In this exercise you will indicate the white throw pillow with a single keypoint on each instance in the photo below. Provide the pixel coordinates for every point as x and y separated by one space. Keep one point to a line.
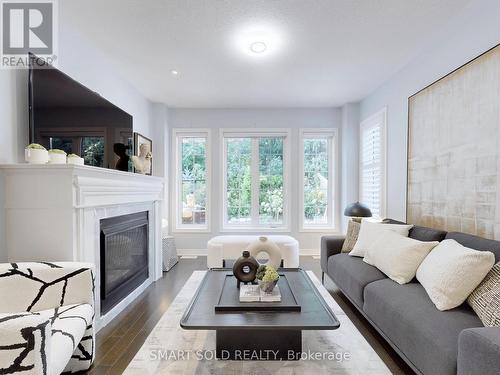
398 256
369 232
452 271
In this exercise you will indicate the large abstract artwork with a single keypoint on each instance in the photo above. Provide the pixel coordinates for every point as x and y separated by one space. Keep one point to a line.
454 150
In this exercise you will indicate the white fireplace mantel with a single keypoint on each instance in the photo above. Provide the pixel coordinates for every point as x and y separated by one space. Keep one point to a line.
53 213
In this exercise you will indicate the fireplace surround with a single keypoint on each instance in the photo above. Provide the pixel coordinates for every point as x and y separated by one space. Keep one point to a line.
61 208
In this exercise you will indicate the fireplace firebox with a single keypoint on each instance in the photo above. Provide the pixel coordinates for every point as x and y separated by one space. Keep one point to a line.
124 257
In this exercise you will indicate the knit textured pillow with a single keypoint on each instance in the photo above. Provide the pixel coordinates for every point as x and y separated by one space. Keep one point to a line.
485 299
351 236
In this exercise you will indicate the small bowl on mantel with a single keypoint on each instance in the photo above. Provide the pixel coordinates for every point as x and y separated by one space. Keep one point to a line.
57 157
75 160
36 155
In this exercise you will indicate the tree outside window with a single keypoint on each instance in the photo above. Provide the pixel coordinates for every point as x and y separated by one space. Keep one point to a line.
193 170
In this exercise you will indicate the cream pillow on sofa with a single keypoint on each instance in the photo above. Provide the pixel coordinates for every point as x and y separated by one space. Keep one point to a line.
398 256
452 271
369 232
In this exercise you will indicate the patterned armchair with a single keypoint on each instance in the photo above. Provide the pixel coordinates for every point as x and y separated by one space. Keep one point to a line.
46 318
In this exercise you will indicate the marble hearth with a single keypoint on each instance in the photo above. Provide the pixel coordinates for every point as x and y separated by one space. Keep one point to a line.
53 213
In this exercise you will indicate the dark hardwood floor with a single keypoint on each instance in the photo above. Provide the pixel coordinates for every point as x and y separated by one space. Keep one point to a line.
118 342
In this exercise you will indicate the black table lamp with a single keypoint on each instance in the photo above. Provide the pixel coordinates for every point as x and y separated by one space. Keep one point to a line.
357 210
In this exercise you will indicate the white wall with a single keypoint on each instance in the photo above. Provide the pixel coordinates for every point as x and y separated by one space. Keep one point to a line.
474 31
81 61
161 159
251 118
350 158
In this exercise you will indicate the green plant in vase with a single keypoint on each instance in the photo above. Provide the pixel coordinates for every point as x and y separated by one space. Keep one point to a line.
261 272
57 151
35 146
35 153
269 279
57 156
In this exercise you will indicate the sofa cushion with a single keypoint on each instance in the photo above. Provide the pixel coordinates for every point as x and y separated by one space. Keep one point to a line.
477 243
451 272
427 234
68 326
421 233
351 236
369 232
398 256
485 299
428 337
351 275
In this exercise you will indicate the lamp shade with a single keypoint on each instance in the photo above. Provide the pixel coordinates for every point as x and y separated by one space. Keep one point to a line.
357 210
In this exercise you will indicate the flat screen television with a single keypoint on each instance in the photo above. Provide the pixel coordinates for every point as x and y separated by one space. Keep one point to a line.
64 114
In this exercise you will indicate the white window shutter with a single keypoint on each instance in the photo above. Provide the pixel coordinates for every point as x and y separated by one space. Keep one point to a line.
372 163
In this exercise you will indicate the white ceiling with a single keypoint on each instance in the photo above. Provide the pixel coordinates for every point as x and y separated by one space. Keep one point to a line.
331 51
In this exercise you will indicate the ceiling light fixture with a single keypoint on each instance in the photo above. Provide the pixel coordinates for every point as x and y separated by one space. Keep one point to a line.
258 41
174 72
258 47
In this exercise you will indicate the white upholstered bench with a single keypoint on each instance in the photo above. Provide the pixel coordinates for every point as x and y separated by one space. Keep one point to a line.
221 248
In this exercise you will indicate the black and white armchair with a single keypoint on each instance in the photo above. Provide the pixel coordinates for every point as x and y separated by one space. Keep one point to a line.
46 318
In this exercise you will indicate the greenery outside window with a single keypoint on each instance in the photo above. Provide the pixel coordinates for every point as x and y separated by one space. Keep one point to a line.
192 180
255 181
317 169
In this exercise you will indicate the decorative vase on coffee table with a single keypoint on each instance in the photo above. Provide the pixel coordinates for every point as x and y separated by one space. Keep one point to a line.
245 268
265 245
267 286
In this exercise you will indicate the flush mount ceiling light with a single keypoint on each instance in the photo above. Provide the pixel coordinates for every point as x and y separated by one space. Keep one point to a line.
258 41
174 72
258 47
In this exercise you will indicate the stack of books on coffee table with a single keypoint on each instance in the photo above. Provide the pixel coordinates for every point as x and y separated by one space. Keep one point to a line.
253 293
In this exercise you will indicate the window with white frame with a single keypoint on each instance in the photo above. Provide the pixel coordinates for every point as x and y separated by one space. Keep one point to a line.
317 168
255 180
192 179
372 163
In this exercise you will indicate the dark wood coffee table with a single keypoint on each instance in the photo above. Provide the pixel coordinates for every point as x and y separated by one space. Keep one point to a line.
259 335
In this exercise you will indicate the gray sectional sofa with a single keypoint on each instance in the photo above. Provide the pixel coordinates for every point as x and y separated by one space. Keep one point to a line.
429 340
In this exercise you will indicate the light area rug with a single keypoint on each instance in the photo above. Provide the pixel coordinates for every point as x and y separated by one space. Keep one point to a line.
169 349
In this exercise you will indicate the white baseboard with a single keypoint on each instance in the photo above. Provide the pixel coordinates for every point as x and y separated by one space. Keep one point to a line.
203 252
192 252
309 252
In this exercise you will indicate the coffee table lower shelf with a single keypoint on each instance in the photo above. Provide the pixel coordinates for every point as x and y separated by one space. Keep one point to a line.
258 344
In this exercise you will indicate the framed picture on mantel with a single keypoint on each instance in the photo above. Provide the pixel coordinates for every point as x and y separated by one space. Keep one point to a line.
143 154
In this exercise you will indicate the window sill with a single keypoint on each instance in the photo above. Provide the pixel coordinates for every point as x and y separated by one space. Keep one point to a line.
325 230
191 230
255 230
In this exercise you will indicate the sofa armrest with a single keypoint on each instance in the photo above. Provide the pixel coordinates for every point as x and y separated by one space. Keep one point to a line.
330 245
479 351
24 343
41 286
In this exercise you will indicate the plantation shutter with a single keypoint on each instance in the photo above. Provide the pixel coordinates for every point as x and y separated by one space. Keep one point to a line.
372 160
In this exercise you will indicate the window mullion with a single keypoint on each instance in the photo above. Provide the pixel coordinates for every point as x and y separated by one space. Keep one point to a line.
255 181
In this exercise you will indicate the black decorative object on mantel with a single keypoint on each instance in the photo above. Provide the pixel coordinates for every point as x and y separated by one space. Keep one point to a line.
245 268
357 210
